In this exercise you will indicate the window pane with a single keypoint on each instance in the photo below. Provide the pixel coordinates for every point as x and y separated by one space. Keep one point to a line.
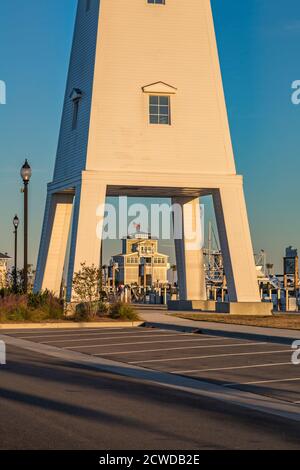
164 100
153 99
153 119
164 119
153 109
164 110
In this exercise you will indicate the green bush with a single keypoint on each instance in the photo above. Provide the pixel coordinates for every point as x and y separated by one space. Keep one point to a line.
103 308
31 307
123 311
84 313
40 299
90 311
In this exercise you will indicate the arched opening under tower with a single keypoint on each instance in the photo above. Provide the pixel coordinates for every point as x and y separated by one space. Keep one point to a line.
81 237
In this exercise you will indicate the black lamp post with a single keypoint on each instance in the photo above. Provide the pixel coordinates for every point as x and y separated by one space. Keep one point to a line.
26 175
16 225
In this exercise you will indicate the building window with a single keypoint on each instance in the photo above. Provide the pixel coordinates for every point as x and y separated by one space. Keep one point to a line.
159 108
75 114
158 2
75 96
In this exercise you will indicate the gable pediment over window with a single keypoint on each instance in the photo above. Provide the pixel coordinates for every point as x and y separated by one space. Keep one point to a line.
159 88
76 94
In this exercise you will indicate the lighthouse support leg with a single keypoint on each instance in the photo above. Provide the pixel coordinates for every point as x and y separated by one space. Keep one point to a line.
86 236
236 245
54 242
189 254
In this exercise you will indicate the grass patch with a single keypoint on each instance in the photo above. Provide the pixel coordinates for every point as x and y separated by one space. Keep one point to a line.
286 321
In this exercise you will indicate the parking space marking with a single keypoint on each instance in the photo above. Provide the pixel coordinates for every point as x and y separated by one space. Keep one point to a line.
295 379
112 337
231 368
169 341
213 355
87 333
142 342
48 331
157 350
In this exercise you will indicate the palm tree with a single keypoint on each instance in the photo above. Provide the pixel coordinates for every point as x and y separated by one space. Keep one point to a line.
103 274
174 269
269 267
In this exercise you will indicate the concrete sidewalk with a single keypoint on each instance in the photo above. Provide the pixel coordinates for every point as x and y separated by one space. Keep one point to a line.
165 319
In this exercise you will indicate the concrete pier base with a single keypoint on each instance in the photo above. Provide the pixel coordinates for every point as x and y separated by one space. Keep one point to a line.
245 308
233 308
192 305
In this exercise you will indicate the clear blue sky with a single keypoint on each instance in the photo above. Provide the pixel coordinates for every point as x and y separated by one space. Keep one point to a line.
259 45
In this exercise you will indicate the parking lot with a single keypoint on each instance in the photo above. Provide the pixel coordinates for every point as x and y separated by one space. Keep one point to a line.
260 367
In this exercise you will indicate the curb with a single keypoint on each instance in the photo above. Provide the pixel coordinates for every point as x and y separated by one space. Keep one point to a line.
168 326
69 325
224 334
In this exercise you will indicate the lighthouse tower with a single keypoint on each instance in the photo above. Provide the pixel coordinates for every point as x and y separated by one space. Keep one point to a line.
144 115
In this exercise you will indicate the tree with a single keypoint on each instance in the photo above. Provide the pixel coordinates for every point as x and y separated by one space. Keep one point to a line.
86 286
269 267
174 269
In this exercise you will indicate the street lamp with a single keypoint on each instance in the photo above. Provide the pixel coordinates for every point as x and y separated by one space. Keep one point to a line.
16 225
26 175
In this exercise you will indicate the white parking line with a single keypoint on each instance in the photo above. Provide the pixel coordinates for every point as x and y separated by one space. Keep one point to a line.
206 357
87 333
231 368
158 350
110 337
143 342
262 382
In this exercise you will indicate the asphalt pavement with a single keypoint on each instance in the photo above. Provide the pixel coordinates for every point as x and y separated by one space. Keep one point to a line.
259 367
48 403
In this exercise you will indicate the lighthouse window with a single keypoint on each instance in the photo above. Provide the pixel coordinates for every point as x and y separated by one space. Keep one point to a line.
159 2
159 110
75 114
75 96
